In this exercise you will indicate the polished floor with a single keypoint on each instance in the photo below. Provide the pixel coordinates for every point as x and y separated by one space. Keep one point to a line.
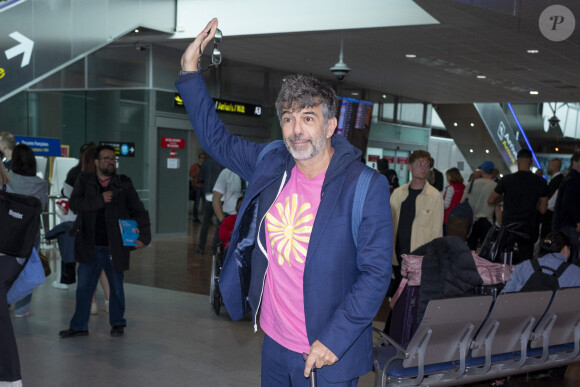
173 337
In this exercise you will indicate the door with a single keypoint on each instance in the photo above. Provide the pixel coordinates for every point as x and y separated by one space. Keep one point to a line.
172 181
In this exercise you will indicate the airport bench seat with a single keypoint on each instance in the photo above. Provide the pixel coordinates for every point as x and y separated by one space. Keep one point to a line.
470 339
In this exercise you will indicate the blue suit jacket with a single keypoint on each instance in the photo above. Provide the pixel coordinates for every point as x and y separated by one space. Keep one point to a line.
344 286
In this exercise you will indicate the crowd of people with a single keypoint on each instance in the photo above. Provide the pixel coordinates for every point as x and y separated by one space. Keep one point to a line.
314 300
99 198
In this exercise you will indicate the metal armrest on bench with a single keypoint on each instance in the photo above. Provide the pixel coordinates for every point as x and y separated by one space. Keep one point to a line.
506 343
439 346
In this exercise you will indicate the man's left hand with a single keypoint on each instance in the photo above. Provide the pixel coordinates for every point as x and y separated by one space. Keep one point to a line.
318 356
140 244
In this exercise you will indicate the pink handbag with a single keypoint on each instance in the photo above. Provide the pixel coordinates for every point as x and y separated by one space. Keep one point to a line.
411 272
411 268
491 273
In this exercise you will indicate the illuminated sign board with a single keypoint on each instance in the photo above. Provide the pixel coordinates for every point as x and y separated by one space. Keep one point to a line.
123 149
354 121
505 138
225 106
41 146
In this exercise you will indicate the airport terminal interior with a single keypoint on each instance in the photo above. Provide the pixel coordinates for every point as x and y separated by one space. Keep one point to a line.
469 81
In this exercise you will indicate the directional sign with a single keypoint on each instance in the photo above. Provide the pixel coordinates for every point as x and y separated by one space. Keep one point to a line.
17 46
41 146
24 47
123 149
39 38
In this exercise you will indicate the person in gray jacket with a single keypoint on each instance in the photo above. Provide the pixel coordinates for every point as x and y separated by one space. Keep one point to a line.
23 180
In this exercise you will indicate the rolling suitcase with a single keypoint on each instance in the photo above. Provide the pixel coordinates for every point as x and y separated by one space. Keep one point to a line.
404 316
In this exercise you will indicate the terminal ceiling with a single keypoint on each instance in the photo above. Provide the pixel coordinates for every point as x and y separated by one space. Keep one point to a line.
470 40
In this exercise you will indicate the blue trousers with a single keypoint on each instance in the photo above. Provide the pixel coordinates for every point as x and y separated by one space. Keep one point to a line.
87 278
282 367
23 306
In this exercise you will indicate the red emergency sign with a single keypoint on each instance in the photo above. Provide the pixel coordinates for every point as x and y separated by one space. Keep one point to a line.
173 142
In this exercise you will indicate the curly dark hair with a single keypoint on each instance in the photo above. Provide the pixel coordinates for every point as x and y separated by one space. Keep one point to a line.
421 154
301 91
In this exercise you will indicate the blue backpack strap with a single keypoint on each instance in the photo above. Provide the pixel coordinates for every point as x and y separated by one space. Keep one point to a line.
271 146
362 186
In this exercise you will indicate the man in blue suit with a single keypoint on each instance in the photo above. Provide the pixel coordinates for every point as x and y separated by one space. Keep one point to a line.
292 255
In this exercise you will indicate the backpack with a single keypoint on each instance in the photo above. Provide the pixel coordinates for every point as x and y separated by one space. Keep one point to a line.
544 281
460 219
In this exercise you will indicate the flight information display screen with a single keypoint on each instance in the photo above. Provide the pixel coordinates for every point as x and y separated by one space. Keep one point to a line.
354 121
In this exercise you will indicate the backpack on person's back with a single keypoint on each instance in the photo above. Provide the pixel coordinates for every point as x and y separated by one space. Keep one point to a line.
460 219
541 280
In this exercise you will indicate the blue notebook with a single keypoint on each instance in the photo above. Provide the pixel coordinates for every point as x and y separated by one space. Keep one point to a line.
129 232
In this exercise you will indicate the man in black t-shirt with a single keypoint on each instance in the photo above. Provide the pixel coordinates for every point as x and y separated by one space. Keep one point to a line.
522 194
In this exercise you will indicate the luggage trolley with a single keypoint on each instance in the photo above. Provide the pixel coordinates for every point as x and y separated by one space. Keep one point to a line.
215 296
500 244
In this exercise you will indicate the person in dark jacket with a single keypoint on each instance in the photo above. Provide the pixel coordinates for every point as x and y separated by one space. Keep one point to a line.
10 268
567 209
390 174
210 170
293 255
100 199
68 266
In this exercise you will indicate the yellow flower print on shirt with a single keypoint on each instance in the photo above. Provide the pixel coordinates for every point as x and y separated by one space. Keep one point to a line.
289 234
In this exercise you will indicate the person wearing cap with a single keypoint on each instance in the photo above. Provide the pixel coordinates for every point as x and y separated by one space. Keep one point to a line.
522 193
482 211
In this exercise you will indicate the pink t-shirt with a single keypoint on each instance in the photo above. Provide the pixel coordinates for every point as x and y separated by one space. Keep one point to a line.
288 227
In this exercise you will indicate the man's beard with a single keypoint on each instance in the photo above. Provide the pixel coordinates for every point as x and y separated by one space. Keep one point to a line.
312 148
108 171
